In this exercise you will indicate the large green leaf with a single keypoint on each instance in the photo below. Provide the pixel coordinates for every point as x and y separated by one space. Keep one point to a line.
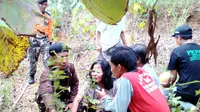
12 50
21 15
108 11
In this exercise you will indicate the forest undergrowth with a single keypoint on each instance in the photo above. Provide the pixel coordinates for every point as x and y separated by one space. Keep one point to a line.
82 42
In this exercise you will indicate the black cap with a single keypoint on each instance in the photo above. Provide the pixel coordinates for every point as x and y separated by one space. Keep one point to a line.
58 47
184 31
41 1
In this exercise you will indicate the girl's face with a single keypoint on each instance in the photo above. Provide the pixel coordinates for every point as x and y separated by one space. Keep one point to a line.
97 73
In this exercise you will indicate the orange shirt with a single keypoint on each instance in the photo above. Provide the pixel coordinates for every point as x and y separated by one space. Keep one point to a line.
46 28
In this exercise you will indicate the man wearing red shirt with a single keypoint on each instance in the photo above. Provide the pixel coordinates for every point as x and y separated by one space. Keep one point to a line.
137 90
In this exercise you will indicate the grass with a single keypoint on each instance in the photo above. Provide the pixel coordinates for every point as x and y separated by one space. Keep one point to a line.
5 94
178 10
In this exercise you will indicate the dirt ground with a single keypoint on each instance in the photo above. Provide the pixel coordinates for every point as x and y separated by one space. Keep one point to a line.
83 58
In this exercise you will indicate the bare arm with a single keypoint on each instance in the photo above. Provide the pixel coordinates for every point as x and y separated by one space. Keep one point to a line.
172 78
76 102
122 35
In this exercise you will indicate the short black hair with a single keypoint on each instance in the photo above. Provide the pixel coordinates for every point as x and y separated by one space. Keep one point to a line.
41 1
57 48
124 56
107 78
186 37
141 52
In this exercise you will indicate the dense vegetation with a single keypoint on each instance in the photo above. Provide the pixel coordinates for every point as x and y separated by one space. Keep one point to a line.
73 22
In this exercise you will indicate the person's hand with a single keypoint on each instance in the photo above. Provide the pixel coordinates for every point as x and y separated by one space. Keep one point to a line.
165 85
53 110
101 93
99 48
68 106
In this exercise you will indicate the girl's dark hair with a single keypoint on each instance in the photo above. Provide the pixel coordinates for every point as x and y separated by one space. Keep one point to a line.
107 78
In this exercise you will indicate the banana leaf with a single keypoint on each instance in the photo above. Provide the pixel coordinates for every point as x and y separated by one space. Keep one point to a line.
21 15
108 11
12 50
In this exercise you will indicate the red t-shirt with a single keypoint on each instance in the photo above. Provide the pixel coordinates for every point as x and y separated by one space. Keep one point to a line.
147 97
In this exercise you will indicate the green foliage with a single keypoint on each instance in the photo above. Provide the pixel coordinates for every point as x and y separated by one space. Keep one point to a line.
56 75
142 24
139 8
174 102
60 8
79 18
59 105
81 23
12 50
89 102
93 101
197 92
90 46
93 83
147 3
5 94
177 10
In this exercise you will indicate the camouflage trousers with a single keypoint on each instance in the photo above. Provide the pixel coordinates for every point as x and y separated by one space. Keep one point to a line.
37 46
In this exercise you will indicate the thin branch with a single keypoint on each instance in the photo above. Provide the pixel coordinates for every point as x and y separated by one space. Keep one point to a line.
4 20
18 99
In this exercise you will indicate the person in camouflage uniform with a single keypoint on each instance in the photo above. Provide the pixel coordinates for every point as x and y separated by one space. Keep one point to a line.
40 43
37 46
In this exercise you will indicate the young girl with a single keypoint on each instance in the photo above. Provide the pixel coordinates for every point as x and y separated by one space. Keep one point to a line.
101 77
